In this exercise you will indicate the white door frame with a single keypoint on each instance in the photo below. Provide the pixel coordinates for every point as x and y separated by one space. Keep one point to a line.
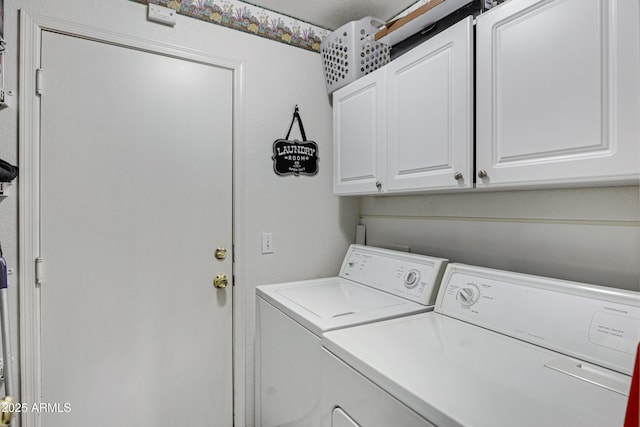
31 27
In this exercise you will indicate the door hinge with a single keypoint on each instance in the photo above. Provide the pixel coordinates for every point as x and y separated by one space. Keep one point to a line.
39 268
39 81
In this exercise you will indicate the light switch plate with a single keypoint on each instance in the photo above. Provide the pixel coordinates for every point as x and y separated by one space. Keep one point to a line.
267 243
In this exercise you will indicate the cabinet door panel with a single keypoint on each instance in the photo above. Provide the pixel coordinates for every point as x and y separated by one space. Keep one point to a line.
551 98
421 124
359 126
430 113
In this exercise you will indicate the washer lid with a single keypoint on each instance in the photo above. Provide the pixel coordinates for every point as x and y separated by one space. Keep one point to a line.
453 373
325 304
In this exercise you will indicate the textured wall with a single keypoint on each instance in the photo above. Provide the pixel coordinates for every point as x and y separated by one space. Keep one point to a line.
590 235
311 226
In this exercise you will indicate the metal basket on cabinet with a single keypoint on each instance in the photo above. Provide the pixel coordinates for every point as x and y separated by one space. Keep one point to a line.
351 52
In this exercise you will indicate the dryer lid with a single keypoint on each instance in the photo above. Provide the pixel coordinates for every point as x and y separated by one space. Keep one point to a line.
322 305
340 298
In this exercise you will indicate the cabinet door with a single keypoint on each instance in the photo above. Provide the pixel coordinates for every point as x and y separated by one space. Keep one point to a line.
430 111
358 135
558 93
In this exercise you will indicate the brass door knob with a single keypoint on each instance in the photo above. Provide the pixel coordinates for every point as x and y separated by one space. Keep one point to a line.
220 281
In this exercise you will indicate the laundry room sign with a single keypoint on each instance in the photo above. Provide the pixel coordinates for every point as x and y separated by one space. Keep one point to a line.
295 157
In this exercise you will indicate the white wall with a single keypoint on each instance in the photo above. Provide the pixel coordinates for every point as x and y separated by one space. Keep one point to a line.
311 227
590 235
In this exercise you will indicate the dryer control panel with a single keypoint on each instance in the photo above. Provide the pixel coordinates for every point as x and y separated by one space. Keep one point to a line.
411 276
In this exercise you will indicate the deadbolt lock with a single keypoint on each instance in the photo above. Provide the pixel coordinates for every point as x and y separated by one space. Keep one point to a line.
220 253
220 281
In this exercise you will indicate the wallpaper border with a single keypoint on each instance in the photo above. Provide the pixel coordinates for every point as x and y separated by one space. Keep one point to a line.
250 19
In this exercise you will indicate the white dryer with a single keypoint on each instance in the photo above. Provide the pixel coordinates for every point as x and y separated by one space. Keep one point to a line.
500 349
373 284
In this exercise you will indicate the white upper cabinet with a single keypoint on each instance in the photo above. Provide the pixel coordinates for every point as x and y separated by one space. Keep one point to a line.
430 114
408 126
558 93
359 130
557 103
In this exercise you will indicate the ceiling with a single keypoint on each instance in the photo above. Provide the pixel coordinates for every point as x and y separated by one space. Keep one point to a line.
332 14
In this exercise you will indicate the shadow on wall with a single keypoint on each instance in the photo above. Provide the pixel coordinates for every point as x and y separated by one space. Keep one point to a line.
601 254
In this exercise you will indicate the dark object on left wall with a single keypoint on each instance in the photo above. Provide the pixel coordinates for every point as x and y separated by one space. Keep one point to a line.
8 172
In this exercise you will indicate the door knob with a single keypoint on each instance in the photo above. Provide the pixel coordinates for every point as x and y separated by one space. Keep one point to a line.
482 173
220 281
458 176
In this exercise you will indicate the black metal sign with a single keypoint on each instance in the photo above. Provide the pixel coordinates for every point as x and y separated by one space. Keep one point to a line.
295 157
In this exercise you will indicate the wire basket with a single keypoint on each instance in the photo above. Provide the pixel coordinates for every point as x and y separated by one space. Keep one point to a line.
351 52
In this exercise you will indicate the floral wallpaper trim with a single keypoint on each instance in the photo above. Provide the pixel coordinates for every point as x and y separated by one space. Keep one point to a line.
250 19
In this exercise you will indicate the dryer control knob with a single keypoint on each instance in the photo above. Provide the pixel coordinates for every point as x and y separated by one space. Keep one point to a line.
468 295
411 279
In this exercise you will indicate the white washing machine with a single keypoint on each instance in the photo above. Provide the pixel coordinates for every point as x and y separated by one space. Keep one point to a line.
373 284
500 349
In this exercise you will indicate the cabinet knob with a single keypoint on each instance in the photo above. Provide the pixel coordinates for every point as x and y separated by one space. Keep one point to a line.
457 176
482 173
379 184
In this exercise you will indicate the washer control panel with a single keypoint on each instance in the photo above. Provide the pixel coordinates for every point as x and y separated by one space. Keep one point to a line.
411 276
592 323
468 295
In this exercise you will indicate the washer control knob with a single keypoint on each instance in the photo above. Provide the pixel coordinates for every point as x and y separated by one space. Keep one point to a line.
411 279
468 295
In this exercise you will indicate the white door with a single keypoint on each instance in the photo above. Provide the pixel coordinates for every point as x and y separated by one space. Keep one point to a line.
430 143
558 93
135 197
359 132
